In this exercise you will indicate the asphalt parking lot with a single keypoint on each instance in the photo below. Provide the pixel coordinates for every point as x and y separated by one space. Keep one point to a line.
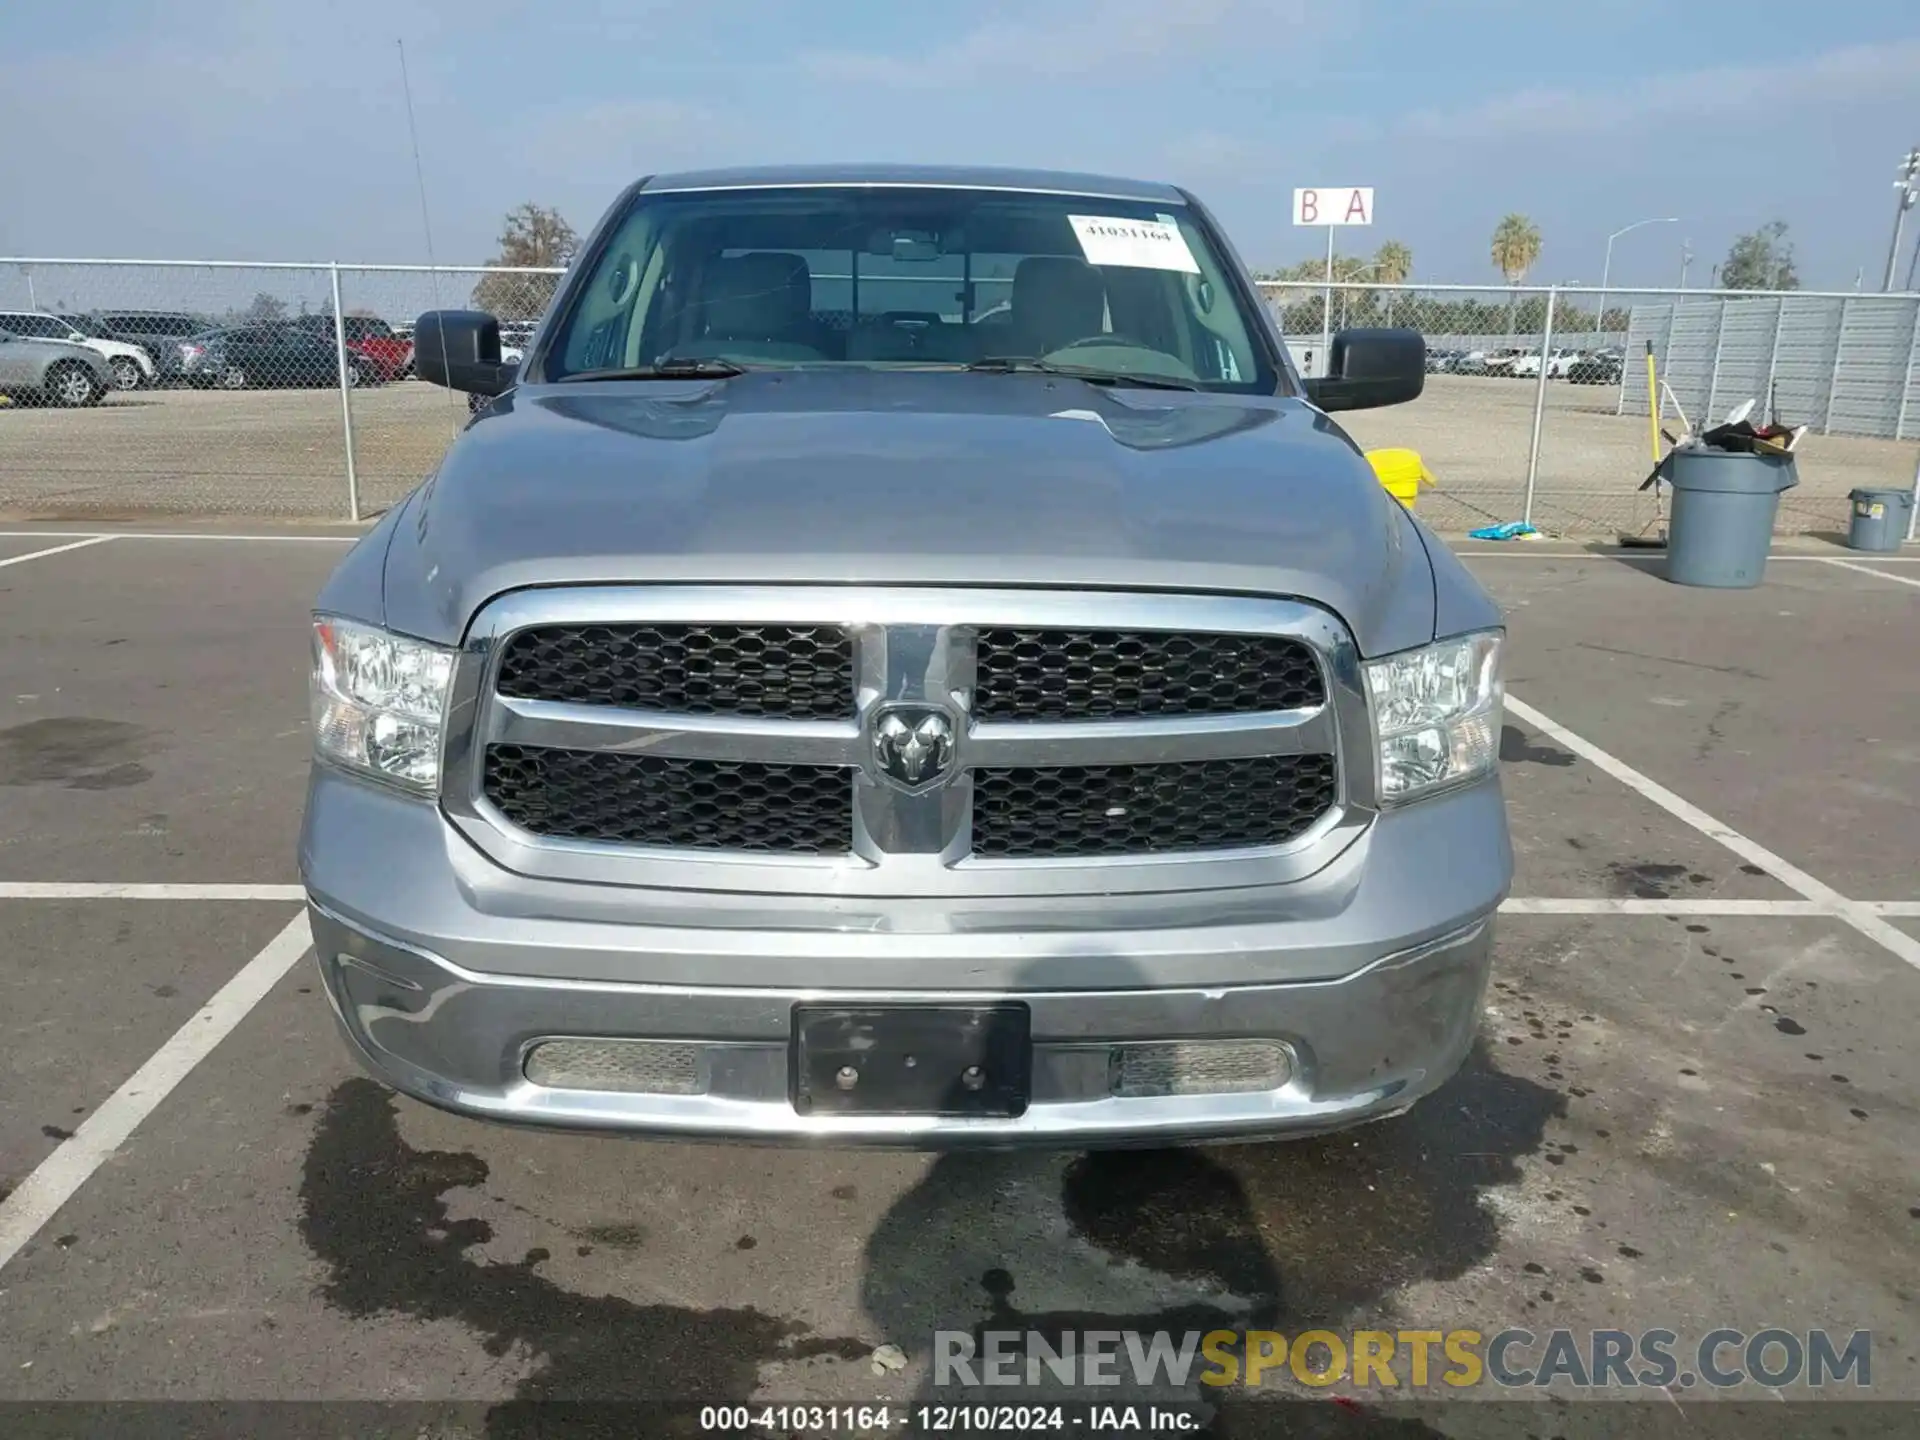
1694 1103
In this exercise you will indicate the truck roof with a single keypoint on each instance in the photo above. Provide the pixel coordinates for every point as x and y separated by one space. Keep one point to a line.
971 177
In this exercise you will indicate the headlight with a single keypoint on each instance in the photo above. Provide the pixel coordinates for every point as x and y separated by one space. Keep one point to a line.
379 702
1436 714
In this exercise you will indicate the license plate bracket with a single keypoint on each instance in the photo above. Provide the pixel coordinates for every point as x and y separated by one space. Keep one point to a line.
943 1060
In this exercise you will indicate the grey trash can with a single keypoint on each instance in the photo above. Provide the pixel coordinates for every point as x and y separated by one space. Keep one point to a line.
1879 519
1724 502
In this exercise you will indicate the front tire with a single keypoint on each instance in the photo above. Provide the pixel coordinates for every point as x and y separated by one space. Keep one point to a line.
74 386
127 374
234 377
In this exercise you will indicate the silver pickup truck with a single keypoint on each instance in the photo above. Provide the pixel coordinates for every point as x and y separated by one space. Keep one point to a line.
905 659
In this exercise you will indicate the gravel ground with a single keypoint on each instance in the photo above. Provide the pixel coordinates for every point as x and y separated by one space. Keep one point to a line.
282 453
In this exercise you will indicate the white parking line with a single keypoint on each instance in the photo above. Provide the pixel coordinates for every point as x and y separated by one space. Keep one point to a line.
39 1197
1877 574
1860 916
44 890
1652 555
56 550
99 535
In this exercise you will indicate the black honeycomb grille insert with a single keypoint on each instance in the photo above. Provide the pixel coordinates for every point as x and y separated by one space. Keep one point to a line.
655 800
786 671
1113 674
1074 810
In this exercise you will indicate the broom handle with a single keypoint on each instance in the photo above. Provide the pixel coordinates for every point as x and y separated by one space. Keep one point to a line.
1653 405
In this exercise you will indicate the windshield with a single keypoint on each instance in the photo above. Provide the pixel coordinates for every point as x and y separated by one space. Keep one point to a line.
911 278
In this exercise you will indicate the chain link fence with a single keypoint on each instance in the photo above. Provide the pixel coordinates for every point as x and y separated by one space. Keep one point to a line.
229 388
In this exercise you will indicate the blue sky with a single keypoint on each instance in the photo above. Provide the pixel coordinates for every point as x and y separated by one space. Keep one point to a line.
276 130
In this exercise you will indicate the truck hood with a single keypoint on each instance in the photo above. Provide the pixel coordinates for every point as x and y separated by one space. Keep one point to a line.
907 478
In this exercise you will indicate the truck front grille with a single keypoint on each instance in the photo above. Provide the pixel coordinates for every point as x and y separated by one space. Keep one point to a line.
1032 813
801 672
852 740
1109 674
657 801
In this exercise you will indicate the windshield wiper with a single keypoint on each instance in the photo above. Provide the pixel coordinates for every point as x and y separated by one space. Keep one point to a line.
707 369
1010 364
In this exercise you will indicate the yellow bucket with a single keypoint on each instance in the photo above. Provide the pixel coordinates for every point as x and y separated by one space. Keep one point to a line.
1402 472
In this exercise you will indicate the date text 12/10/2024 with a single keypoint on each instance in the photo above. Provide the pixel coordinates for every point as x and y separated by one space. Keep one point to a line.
1085 1419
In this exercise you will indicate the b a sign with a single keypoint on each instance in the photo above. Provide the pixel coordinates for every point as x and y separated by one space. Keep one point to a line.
1339 205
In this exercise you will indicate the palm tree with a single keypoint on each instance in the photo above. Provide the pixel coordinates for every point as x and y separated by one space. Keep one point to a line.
1516 246
1392 263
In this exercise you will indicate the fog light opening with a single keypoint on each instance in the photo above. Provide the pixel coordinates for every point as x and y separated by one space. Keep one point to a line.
634 1067
1199 1067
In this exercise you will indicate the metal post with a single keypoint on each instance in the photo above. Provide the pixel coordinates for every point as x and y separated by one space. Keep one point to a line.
1906 388
346 405
1833 375
1326 308
1539 405
1913 510
1600 318
1719 349
1909 169
1773 359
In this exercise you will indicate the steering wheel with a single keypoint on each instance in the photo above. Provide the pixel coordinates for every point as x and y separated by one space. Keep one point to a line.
1116 338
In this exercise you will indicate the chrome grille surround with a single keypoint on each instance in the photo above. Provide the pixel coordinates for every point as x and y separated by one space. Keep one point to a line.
913 646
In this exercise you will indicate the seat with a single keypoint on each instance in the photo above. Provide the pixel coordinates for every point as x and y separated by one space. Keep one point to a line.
765 296
1056 300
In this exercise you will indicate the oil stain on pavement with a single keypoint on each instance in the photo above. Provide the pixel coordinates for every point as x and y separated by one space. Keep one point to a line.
75 751
1260 1236
375 1212
1252 1236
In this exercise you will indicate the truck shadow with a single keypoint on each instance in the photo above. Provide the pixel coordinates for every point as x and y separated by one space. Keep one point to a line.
1284 1236
1266 1236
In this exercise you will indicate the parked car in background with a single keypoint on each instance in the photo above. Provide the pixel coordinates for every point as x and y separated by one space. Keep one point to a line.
515 336
1557 363
1603 367
130 365
51 372
158 332
388 355
1501 362
1441 362
1563 361
254 356
1472 362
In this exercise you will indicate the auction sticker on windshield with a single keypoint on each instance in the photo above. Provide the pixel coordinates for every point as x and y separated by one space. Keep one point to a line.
1143 244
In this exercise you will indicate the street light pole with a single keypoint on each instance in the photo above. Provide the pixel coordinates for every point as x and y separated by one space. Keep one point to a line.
1606 271
1909 188
1686 261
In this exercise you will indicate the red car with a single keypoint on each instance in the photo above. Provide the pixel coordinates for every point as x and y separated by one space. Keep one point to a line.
387 355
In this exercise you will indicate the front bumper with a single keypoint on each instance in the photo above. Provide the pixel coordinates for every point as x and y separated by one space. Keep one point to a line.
445 972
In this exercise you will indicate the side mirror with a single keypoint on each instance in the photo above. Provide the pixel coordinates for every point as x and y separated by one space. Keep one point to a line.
460 349
1370 368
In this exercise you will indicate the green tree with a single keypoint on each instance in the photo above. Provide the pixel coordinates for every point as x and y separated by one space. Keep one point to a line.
1392 265
1515 248
265 309
1761 260
530 236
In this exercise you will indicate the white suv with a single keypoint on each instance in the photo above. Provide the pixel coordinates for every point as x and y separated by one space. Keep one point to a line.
132 367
